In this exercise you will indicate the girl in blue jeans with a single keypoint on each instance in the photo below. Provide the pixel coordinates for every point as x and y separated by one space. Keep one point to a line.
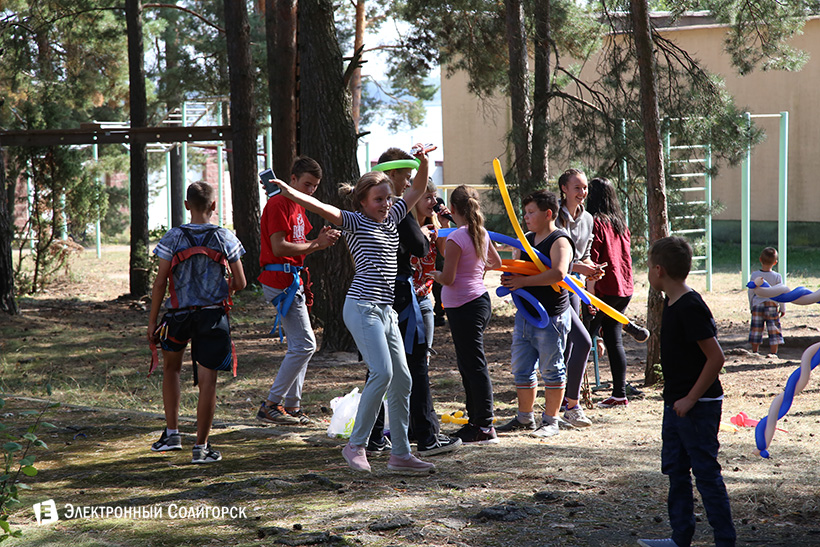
372 237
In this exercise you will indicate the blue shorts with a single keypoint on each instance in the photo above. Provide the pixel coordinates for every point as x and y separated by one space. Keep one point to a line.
208 330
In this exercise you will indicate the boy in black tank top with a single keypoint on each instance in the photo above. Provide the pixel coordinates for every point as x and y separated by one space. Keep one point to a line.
545 346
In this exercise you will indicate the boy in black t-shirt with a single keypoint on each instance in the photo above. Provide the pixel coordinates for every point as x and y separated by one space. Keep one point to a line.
691 359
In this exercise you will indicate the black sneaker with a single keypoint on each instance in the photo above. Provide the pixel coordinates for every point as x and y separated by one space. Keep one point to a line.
516 425
167 442
639 333
205 454
440 445
471 433
275 415
300 415
376 448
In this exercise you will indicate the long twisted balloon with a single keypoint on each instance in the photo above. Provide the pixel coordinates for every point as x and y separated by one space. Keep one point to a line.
764 431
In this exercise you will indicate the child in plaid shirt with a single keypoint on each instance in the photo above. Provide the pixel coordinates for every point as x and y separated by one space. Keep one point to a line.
766 312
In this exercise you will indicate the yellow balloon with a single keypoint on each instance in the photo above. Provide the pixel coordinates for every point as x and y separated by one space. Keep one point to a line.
458 414
505 195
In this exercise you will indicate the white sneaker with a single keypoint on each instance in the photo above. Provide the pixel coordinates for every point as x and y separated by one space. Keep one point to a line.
546 430
576 417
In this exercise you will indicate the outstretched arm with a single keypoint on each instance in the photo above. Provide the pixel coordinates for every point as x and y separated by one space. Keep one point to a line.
328 212
413 194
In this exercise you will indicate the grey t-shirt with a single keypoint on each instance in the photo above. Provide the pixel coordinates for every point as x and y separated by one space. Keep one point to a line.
579 230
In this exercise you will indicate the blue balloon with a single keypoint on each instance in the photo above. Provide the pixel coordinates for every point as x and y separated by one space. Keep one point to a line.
521 294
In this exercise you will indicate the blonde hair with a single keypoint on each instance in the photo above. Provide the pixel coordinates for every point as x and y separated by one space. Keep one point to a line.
464 200
358 193
431 189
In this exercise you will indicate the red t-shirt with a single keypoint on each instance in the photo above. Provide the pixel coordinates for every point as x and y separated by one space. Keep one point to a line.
615 250
282 215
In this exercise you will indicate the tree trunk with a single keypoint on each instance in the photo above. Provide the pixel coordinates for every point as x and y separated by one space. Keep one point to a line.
519 88
655 181
280 30
540 106
244 183
138 274
356 77
7 302
328 136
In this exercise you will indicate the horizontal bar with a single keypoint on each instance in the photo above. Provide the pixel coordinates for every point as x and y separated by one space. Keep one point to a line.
692 189
684 175
694 231
693 160
100 135
765 115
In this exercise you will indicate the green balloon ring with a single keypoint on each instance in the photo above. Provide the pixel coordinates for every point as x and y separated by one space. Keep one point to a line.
397 164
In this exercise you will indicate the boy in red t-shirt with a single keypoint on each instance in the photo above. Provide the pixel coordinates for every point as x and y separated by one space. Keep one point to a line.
284 246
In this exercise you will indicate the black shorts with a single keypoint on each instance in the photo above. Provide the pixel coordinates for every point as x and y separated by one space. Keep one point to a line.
208 330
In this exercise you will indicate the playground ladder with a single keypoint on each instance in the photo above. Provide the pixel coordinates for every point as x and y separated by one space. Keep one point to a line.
693 179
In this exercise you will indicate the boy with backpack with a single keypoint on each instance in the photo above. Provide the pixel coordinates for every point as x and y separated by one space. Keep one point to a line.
193 259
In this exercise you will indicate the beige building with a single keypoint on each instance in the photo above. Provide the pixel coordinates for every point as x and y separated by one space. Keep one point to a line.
475 132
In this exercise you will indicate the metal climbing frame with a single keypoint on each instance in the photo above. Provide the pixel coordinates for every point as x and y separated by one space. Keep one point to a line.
694 182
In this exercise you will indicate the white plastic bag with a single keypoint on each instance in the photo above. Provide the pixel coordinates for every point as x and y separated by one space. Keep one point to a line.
344 414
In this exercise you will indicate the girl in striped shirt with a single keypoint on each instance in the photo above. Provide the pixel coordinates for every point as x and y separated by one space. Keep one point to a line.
372 237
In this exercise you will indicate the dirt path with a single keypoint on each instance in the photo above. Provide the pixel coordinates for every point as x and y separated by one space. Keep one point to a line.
289 485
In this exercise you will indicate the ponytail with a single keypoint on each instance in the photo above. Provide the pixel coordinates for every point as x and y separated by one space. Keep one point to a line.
464 199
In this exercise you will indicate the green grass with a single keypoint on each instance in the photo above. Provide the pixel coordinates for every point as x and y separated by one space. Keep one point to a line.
802 261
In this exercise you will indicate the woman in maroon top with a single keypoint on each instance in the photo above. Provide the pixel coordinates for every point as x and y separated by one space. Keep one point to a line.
611 246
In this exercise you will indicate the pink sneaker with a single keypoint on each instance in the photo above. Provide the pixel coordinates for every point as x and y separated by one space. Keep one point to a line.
612 402
409 464
356 458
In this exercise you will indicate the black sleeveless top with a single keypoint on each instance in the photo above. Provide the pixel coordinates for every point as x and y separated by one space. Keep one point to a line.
555 302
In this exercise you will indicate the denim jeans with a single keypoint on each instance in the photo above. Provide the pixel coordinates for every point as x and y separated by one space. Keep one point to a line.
539 348
691 443
576 353
375 329
426 307
467 325
423 422
287 387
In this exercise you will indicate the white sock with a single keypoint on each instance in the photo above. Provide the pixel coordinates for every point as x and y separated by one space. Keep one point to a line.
169 431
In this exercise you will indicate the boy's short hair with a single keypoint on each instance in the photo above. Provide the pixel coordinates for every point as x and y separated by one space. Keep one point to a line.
544 200
392 154
674 254
200 195
304 164
768 256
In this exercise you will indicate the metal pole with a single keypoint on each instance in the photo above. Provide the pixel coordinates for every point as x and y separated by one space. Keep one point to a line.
667 141
184 150
30 192
269 145
219 174
64 223
745 225
96 154
168 186
624 174
708 198
783 204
